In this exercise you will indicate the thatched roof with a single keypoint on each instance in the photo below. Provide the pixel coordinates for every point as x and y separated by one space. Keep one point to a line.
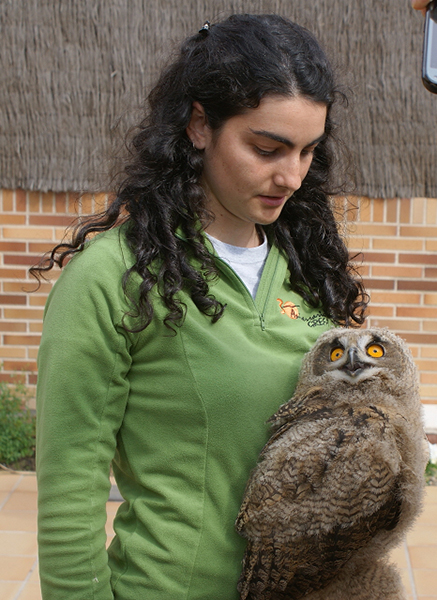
71 70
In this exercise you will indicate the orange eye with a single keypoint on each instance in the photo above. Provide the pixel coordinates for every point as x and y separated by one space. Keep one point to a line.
375 350
336 354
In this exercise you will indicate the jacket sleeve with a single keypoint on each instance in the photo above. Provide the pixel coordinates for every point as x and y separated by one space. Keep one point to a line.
82 392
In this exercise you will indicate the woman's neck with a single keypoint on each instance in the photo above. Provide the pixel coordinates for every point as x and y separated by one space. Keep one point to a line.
246 238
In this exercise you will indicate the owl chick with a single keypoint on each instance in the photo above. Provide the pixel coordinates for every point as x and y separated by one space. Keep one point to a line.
341 479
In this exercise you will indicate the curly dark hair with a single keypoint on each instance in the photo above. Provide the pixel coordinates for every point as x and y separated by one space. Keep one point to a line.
228 68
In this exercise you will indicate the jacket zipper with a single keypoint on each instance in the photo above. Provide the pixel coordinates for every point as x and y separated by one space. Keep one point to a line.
246 291
225 264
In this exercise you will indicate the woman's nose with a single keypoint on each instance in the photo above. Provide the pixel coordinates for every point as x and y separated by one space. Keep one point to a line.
289 174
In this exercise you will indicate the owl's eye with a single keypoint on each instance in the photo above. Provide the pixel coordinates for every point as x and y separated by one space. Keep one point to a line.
375 350
336 353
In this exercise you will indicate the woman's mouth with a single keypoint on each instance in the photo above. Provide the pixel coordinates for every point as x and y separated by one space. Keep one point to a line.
272 200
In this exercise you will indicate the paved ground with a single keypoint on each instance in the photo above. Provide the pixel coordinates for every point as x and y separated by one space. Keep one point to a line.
417 558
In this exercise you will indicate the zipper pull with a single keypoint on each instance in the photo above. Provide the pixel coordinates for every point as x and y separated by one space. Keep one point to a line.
263 323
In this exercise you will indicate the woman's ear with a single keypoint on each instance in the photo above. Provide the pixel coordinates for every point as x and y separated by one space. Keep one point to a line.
198 129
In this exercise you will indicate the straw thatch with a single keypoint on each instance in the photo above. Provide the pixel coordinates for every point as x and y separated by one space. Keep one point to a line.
72 69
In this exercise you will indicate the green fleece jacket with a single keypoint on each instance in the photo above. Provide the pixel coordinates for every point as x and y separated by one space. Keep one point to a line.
183 417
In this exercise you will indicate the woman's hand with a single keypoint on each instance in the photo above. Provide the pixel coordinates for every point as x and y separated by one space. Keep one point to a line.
420 5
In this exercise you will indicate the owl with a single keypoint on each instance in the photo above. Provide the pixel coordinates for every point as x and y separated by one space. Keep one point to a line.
341 479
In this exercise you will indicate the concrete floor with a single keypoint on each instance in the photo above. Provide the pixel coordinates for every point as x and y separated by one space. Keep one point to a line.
416 558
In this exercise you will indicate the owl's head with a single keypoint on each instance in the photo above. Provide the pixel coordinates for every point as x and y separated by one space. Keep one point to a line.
353 356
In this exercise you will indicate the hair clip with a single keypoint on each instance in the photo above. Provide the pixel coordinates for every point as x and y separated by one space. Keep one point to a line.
205 29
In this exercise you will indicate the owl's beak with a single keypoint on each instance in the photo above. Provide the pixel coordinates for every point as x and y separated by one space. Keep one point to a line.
353 365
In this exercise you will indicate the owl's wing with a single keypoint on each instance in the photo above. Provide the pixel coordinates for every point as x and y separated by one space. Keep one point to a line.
320 494
298 407
301 403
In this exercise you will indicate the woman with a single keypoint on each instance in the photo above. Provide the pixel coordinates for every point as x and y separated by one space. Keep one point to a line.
157 353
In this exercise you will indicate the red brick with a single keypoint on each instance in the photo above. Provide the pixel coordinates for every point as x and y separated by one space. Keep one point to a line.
378 210
12 352
429 352
32 378
430 299
12 378
420 338
351 212
23 313
418 231
19 365
28 233
20 200
86 204
11 219
101 202
358 244
55 220
379 257
428 286
422 259
21 340
414 351
395 271
33 202
13 273
381 311
10 326
37 300
26 287
392 210
428 378
41 247
20 259
365 210
405 210
61 202
419 208
374 230
362 270
426 365
397 243
396 324
431 273
8 200
73 203
12 247
356 257
431 245
4 299
418 312
379 284
47 203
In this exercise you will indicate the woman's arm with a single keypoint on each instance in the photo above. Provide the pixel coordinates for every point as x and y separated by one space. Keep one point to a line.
81 397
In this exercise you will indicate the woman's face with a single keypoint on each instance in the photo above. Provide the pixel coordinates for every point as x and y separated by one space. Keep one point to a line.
255 162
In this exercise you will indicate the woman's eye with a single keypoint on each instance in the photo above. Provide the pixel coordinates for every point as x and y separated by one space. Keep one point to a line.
336 354
308 151
264 152
375 350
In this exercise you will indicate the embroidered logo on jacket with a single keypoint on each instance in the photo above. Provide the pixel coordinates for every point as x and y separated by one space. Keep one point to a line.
288 308
292 311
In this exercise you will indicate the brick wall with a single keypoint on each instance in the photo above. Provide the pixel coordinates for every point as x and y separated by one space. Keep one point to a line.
31 223
396 243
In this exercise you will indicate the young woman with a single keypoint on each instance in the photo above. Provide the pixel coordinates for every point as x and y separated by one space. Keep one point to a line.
174 334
